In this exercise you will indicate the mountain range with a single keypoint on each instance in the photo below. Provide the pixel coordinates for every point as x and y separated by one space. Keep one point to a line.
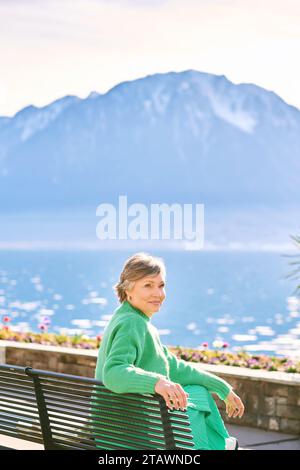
175 137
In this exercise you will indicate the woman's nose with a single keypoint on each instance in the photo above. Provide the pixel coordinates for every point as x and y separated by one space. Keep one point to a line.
159 292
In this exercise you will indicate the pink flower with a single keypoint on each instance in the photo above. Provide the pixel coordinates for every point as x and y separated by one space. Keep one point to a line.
252 361
205 345
6 327
6 318
43 327
225 345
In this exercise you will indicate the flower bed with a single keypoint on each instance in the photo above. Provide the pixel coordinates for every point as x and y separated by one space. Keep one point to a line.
201 354
239 359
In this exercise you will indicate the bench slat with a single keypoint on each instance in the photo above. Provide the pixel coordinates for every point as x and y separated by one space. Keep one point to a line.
73 412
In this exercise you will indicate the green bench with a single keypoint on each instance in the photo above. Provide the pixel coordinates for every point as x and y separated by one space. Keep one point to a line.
67 412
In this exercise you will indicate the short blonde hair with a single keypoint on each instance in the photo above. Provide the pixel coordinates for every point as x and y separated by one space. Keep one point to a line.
136 267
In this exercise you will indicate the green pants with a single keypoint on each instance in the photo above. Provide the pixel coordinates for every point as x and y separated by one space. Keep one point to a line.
207 425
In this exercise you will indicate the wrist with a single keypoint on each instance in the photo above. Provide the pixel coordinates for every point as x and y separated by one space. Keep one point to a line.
227 396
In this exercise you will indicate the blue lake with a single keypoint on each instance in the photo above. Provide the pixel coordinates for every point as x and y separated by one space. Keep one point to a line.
239 297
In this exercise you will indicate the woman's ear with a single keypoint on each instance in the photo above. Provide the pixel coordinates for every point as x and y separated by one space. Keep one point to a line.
128 297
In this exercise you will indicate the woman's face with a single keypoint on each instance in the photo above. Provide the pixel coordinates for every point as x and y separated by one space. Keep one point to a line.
148 294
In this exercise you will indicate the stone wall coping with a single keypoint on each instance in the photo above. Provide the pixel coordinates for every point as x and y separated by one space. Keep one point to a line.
285 378
45 347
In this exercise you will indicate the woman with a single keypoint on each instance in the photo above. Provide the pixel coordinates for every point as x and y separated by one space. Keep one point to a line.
132 359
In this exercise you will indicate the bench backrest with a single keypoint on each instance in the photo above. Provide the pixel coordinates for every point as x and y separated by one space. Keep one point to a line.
19 415
81 413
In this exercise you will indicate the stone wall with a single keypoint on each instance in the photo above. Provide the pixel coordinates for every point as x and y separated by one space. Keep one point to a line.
271 399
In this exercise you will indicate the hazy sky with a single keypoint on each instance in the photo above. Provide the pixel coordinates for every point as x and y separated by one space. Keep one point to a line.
51 48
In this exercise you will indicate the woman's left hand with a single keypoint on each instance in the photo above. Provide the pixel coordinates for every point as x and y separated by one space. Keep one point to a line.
234 405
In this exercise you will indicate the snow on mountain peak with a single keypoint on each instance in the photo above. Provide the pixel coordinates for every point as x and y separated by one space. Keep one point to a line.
32 119
232 111
226 101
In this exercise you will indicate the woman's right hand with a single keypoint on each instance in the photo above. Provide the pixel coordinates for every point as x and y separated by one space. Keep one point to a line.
172 391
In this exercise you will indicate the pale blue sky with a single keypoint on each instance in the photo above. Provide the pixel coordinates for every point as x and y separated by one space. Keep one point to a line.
51 48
